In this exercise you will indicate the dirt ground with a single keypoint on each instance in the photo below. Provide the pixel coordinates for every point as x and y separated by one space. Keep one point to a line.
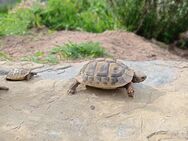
120 44
41 110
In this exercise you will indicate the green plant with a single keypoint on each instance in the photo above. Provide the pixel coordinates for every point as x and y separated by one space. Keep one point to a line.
3 8
6 5
163 20
129 12
92 16
60 14
52 59
4 56
16 23
20 20
183 44
40 57
98 17
79 50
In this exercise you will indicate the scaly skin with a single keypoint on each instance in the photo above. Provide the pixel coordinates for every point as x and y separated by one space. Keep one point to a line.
72 88
130 90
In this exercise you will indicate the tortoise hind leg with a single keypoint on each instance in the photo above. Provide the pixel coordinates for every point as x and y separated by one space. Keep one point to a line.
130 90
73 86
3 88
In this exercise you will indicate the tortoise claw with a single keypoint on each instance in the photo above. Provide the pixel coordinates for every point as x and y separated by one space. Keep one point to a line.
130 92
72 88
70 92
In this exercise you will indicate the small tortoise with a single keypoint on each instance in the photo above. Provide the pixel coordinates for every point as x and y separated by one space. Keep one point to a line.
3 88
106 73
20 74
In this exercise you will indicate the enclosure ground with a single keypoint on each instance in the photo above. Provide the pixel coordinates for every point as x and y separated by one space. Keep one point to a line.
41 110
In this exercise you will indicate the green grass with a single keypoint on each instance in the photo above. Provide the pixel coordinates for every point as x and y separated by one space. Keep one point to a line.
92 16
20 21
6 6
15 23
40 57
68 51
4 56
79 50
183 44
162 20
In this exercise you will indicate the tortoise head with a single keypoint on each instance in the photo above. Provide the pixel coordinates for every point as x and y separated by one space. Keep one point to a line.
33 73
138 77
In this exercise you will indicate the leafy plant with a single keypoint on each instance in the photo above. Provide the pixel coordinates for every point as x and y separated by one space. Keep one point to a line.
60 14
79 50
183 44
70 51
162 20
19 21
6 5
4 56
92 16
16 23
52 59
40 57
98 17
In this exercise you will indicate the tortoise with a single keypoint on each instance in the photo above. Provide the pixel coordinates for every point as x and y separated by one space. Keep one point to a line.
3 88
20 74
107 73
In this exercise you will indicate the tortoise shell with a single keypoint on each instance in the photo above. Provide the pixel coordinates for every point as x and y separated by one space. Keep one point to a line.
105 73
18 74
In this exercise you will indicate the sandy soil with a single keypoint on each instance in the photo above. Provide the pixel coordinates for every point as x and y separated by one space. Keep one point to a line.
120 44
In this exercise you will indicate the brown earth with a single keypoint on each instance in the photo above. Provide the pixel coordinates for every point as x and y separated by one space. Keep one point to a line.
120 44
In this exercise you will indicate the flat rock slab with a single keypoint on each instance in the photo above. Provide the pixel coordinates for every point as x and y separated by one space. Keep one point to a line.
40 110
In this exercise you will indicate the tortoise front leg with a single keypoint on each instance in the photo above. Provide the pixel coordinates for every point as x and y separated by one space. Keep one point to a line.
73 86
130 90
29 76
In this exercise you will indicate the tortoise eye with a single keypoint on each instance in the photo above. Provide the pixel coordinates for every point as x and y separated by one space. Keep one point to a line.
144 77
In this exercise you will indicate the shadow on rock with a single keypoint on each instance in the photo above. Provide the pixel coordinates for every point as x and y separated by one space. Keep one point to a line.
143 93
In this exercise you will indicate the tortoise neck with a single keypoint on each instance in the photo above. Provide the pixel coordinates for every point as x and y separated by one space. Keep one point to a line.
134 80
33 73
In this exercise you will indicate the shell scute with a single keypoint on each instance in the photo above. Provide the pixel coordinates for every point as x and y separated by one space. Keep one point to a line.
90 68
102 69
116 70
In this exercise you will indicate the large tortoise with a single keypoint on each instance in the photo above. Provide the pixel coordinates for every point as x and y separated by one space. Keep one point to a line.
106 73
20 74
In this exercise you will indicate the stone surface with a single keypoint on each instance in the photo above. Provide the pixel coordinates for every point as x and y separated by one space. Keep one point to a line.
40 109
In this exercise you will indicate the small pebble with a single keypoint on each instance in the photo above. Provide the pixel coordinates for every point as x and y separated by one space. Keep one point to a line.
92 107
